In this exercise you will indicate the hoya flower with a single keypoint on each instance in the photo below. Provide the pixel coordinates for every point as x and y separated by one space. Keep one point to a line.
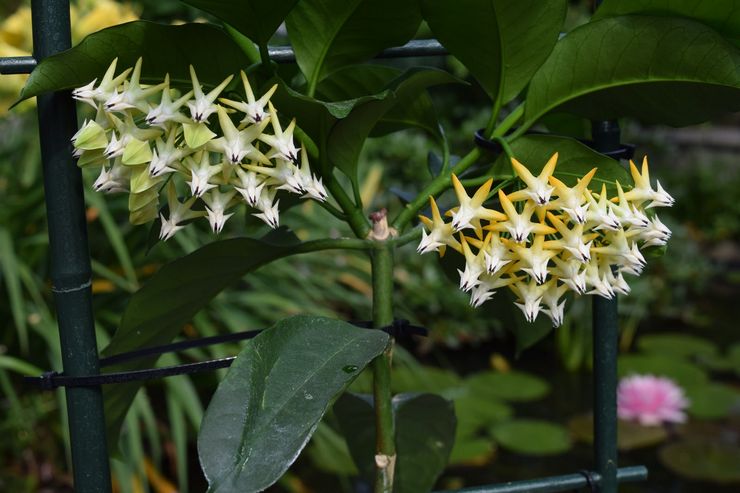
201 173
475 266
168 111
571 239
471 210
250 186
530 298
203 105
237 144
216 205
656 234
92 95
440 234
90 136
574 201
554 308
179 213
533 259
268 207
571 272
651 400
496 253
597 278
282 140
629 215
600 215
626 253
487 285
127 133
133 94
643 191
166 154
253 109
538 188
312 186
113 179
519 225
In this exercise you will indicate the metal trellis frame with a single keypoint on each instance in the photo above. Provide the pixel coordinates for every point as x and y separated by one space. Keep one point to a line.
71 283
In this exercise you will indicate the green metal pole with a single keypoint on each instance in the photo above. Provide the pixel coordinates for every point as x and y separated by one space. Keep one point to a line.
606 136
70 258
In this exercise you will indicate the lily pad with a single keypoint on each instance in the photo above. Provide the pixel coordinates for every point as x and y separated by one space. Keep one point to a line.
472 451
475 412
683 372
676 344
532 437
712 400
630 435
510 386
703 460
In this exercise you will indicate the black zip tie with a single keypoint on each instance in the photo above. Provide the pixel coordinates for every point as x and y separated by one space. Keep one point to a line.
591 481
624 151
50 380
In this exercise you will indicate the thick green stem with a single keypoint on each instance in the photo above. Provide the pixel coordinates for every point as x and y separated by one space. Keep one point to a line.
246 44
385 445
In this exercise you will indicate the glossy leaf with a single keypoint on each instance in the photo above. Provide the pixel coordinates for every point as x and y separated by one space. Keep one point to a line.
273 397
213 54
721 15
425 432
658 69
359 80
532 437
501 42
329 34
574 161
255 19
157 312
348 136
511 385
703 460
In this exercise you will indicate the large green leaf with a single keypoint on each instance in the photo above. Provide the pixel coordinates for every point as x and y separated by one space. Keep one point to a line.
532 437
157 312
658 69
501 42
677 344
712 400
425 432
273 397
165 49
360 80
680 370
329 34
574 160
349 135
703 460
511 385
254 18
721 15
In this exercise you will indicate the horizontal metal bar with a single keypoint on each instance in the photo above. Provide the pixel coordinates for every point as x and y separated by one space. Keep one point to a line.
557 484
17 65
417 47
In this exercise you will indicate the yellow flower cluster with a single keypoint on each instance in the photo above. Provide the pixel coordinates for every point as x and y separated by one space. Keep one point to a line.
150 138
549 238
16 38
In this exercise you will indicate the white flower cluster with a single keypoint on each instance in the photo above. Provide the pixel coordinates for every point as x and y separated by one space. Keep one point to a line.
148 138
550 238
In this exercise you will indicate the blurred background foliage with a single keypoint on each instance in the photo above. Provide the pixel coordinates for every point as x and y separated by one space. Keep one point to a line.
521 413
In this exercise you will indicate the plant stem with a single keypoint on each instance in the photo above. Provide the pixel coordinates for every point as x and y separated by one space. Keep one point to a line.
385 446
508 122
264 54
246 44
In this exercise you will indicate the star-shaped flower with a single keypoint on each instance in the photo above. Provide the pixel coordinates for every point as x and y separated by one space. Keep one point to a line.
133 94
282 140
216 205
179 213
237 144
574 201
203 105
519 225
441 234
168 111
538 189
471 210
254 109
201 172
92 95
643 191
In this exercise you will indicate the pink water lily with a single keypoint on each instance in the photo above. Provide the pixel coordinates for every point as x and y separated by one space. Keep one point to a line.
651 400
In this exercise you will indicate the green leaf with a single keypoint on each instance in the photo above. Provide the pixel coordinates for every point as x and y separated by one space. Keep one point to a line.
213 54
677 344
255 19
360 80
658 69
157 312
425 432
683 372
329 34
711 400
532 437
477 412
501 42
511 385
348 136
630 435
703 460
574 160
721 15
329 452
472 451
273 397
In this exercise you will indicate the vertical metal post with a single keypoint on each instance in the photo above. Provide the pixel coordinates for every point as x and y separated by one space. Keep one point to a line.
70 257
605 135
